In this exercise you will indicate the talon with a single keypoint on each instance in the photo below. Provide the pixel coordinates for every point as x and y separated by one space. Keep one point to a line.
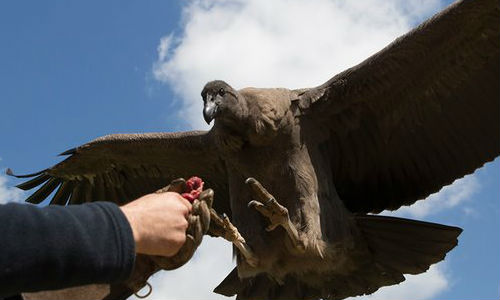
250 180
271 227
253 203
277 214
260 208
259 191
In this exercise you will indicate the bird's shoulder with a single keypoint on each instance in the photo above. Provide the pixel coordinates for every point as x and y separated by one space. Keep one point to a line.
268 100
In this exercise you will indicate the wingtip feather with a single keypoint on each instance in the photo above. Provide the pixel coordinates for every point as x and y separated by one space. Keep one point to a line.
68 152
11 173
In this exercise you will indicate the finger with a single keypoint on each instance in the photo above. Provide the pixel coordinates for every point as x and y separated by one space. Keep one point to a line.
188 248
201 210
177 185
196 207
163 189
207 196
204 214
185 247
186 203
190 240
195 229
192 221
184 254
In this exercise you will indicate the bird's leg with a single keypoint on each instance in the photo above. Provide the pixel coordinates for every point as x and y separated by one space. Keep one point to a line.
222 227
275 212
219 226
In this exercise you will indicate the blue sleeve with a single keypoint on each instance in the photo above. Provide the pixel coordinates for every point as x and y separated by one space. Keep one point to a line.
56 247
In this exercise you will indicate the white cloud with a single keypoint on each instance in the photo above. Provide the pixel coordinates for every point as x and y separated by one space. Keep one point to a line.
448 197
164 47
288 43
7 192
195 280
415 287
212 263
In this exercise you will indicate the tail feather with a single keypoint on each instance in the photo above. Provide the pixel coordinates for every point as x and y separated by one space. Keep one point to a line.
398 246
408 246
231 285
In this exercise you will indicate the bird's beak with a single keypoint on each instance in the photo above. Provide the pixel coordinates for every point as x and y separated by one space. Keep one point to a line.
209 110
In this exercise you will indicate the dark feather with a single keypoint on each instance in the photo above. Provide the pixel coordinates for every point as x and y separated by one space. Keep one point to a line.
62 195
76 194
415 116
44 191
11 173
68 152
28 185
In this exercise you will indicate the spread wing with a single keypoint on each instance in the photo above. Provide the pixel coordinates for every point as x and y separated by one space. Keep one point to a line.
415 116
122 167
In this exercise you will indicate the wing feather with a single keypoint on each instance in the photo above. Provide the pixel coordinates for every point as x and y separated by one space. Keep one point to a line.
417 115
28 185
44 191
123 167
76 195
62 194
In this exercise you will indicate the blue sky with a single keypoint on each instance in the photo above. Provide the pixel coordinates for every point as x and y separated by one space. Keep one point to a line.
72 71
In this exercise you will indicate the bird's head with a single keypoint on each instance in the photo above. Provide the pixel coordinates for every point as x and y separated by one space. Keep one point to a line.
220 100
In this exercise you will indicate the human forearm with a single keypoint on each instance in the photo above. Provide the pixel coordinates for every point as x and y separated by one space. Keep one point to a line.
54 247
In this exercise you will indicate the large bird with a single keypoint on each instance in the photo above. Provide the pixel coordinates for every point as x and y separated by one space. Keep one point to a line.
301 173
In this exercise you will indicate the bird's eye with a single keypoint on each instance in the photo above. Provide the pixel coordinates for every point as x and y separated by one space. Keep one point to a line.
221 92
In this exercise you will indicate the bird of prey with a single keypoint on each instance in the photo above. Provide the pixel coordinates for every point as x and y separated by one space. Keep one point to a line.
303 173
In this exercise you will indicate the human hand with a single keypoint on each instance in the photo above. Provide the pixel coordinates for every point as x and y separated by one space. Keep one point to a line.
199 222
159 223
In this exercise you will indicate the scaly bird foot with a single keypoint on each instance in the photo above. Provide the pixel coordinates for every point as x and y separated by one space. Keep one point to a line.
221 226
275 212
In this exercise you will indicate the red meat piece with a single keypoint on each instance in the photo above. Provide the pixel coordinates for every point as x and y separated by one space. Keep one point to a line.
194 186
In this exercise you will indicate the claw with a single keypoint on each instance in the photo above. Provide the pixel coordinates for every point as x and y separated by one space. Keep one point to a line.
254 203
275 212
259 207
271 227
259 191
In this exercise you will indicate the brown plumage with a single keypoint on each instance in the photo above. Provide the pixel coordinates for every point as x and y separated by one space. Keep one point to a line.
412 118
